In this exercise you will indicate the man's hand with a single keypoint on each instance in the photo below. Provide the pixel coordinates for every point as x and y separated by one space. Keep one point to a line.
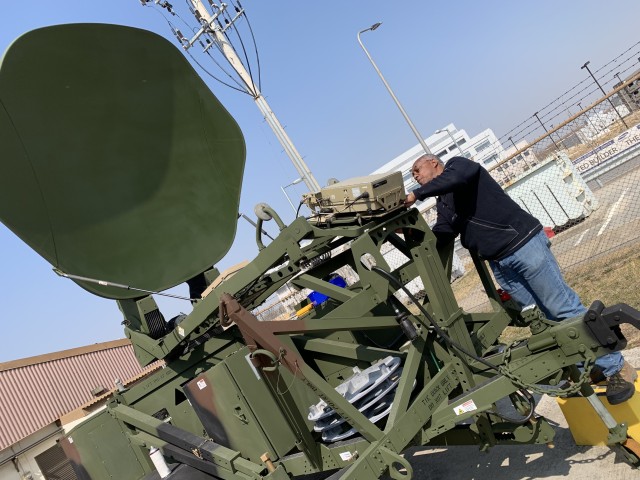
410 200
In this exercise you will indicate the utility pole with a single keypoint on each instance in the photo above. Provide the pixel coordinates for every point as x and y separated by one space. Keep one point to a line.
214 28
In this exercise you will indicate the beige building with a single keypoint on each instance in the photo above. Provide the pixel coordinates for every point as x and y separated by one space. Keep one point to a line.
41 397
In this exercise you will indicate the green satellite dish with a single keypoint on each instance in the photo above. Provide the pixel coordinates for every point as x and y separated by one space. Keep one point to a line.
116 160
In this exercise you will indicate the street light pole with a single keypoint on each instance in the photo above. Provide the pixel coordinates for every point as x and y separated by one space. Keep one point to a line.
452 139
395 99
295 182
586 65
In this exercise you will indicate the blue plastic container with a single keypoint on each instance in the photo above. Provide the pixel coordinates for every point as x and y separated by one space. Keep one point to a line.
318 298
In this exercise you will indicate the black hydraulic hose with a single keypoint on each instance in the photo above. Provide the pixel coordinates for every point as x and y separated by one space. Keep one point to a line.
523 392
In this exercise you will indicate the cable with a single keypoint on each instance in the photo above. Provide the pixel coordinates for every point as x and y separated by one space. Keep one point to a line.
216 78
523 392
105 283
174 29
249 91
255 47
244 51
433 323
364 195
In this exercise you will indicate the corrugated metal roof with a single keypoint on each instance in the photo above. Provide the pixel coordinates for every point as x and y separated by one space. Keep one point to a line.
37 391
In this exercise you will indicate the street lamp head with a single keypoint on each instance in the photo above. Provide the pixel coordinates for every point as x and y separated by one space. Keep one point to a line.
297 181
372 28
440 131
585 65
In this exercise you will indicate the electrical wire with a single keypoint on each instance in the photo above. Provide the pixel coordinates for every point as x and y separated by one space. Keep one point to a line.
242 87
216 78
244 51
175 29
247 87
523 392
255 47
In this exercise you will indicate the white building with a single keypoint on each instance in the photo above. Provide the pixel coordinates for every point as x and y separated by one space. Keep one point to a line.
448 142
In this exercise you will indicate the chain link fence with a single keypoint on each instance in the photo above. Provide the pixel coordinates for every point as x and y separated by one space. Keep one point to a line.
581 179
576 169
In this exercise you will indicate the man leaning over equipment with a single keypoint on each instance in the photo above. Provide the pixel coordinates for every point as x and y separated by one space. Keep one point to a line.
472 204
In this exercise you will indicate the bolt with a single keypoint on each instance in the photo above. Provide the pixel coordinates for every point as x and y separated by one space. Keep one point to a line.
267 461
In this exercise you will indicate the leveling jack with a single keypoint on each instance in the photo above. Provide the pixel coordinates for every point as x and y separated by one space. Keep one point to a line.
593 420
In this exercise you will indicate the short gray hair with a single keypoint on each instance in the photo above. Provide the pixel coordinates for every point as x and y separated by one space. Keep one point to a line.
428 156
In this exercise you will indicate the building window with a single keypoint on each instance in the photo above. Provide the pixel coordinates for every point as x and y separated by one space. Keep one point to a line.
483 146
443 153
461 141
491 159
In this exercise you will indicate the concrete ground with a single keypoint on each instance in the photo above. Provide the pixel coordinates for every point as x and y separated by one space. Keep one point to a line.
565 461
527 462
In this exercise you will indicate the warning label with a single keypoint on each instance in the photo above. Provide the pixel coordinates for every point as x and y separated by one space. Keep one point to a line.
468 406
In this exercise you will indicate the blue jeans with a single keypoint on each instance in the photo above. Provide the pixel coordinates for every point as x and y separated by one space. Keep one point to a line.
531 275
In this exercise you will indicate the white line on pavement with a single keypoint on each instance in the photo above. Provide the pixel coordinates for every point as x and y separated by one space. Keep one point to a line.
581 237
612 212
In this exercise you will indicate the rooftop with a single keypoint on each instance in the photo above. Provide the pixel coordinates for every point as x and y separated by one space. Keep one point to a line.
37 391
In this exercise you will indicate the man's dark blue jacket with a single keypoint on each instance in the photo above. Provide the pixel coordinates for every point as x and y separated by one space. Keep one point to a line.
472 204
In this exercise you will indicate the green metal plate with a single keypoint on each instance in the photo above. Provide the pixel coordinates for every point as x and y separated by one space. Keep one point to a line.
116 160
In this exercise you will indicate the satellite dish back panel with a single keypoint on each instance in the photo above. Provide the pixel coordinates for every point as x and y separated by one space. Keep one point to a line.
116 160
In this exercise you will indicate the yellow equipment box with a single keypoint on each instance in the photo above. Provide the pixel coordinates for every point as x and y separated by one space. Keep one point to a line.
585 425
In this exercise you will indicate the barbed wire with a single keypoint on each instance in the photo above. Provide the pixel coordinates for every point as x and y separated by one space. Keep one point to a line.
589 84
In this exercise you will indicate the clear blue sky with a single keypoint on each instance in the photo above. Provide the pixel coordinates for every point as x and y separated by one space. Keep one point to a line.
476 64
